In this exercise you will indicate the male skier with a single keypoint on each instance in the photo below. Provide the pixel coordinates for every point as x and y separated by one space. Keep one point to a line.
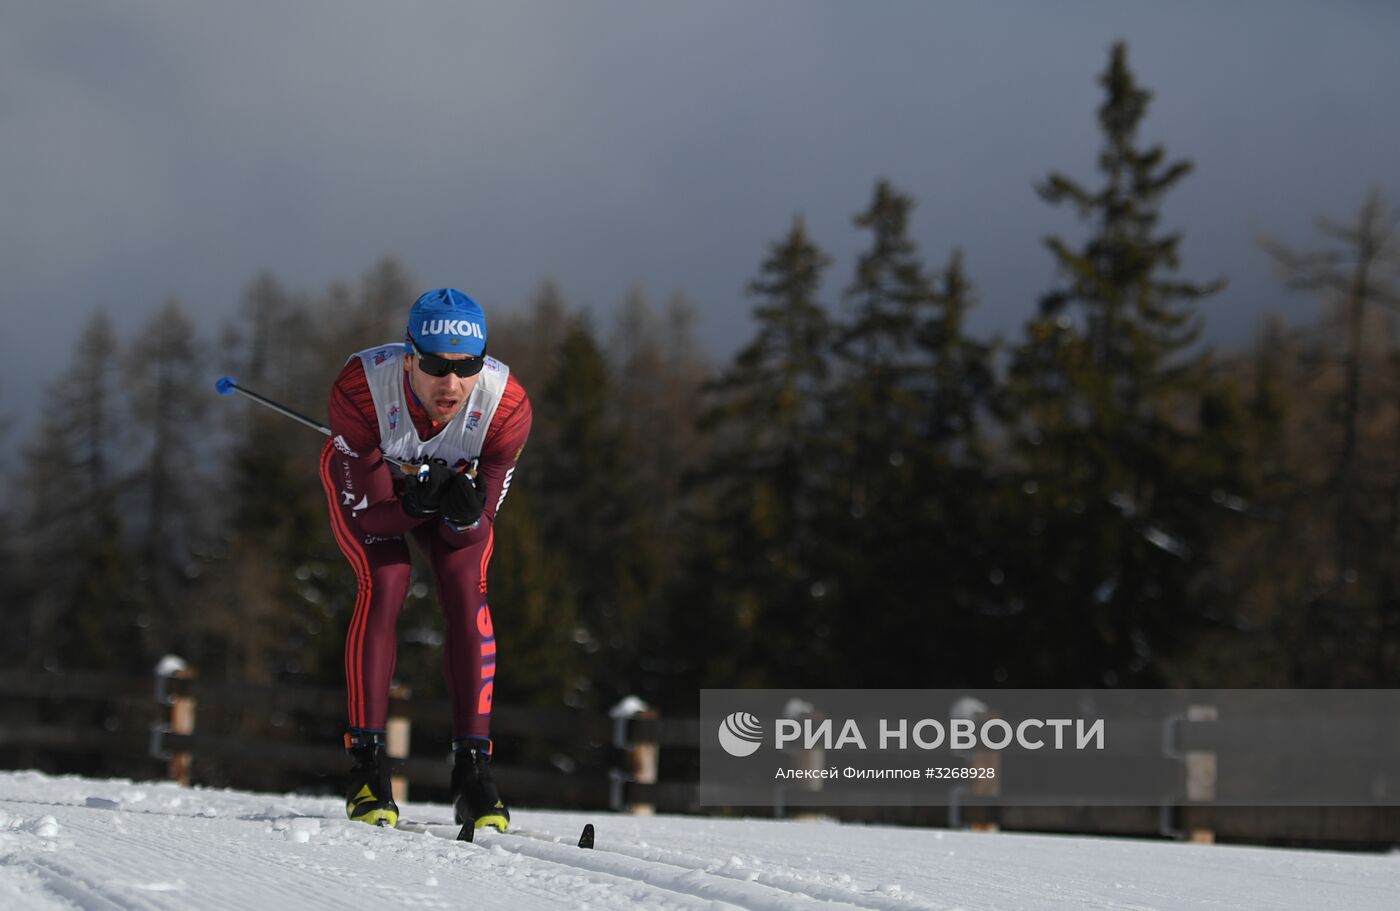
438 401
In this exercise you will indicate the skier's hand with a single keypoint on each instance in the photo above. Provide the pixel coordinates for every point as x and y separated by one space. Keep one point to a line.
422 497
462 500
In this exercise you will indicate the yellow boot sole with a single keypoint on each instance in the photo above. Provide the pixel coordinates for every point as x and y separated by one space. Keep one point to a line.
379 817
492 820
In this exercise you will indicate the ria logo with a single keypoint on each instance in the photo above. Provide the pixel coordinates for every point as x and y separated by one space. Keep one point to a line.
741 734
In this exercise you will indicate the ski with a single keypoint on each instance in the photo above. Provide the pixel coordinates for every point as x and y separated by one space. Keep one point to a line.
467 832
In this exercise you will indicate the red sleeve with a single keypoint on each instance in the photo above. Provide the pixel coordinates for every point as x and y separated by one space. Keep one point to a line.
505 438
359 462
352 409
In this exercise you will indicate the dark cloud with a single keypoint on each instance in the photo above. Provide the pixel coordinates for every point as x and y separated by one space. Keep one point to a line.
157 148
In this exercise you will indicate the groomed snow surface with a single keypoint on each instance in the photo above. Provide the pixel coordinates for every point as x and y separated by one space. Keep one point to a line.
72 842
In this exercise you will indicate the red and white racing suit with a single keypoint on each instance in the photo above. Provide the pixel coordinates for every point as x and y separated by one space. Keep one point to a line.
374 412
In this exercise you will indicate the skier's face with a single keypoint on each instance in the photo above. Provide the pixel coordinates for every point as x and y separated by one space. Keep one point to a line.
442 396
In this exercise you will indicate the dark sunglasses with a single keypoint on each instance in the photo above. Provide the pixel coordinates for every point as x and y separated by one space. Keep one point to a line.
433 365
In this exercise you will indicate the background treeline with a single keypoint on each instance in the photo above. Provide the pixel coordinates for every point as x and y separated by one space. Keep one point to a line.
866 494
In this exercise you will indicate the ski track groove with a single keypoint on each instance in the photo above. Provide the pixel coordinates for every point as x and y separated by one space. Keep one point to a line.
775 893
704 886
30 890
588 884
692 881
853 886
152 847
79 890
584 887
123 885
98 885
778 876
995 886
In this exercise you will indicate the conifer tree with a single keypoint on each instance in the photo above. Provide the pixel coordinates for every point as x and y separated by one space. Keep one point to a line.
532 594
21 596
764 483
345 319
169 390
1345 606
276 586
950 543
1118 513
534 603
386 292
88 609
886 372
587 511
963 386
637 358
1261 560
658 376
1356 283
530 342
903 409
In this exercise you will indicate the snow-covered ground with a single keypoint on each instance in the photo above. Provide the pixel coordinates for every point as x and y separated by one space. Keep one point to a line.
70 843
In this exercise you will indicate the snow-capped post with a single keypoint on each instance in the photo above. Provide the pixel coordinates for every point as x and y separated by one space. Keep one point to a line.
1201 772
641 758
1199 767
396 736
976 711
808 758
180 719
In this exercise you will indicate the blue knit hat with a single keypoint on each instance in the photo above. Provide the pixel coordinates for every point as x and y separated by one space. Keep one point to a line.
446 321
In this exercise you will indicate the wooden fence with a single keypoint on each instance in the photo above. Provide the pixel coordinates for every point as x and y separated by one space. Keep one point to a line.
178 734
177 727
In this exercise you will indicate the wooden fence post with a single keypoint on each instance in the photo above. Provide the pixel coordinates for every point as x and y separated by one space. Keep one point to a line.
182 714
986 818
808 759
1201 772
641 758
987 788
397 730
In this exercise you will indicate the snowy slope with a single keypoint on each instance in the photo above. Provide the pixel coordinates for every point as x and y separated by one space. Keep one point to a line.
70 843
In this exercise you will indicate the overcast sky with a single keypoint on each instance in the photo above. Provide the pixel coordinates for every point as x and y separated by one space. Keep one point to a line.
157 149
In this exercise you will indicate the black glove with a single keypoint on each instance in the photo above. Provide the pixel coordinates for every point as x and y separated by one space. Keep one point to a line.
423 497
462 500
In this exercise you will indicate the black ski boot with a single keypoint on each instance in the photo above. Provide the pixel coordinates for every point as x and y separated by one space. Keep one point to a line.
475 800
370 797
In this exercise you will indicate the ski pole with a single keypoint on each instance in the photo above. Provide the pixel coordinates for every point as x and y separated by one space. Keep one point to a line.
228 386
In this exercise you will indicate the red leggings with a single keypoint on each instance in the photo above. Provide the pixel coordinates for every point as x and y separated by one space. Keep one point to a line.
371 643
